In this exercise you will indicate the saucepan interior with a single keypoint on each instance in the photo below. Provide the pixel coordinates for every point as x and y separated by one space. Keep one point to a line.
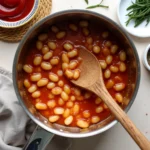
133 71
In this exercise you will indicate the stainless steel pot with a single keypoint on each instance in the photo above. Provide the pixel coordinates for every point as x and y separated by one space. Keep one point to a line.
47 129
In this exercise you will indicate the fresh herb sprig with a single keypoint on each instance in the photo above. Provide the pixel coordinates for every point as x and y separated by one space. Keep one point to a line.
139 12
97 5
87 1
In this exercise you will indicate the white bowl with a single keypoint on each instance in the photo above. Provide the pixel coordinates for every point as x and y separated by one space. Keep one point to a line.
145 60
26 19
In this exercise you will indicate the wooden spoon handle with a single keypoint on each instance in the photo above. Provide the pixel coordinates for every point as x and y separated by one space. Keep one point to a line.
121 116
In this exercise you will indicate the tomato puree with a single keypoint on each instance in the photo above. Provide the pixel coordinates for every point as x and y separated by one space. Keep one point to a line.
14 10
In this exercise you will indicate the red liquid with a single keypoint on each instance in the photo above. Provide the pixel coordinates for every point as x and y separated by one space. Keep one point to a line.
14 10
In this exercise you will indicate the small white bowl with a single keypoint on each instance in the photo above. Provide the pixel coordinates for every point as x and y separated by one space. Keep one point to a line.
145 59
141 30
26 19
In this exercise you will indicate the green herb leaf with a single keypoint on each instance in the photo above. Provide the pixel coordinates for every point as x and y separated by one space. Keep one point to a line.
96 6
87 1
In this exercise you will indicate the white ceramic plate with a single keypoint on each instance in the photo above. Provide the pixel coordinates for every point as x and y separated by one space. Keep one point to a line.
141 30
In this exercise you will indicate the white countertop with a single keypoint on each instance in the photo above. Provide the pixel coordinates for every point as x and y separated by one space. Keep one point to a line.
115 138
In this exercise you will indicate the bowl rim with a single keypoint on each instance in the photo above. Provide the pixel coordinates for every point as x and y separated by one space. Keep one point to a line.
23 21
54 131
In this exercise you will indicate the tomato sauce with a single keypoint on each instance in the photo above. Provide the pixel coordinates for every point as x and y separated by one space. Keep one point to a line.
15 10
77 38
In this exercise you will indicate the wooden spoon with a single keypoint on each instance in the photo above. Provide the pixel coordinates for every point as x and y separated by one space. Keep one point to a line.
91 79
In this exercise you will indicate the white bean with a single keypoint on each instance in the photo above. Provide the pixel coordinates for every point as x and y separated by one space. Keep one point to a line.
122 67
39 45
32 88
48 55
107 73
83 23
76 109
64 96
109 59
50 85
99 109
76 74
119 86
119 97
52 45
56 91
43 37
103 64
86 114
89 40
65 66
37 60
110 83
27 68
53 118
51 103
45 49
65 58
114 49
72 53
95 119
60 73
42 82
73 27
58 110
67 89
54 61
73 64
122 56
54 29
68 120
61 102
114 69
27 84
36 94
96 49
53 77
35 77
69 104
82 124
68 46
98 101
60 83
60 34
46 66
66 113
41 106
69 73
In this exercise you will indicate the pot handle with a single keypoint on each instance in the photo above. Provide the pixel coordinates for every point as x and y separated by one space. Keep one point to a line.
39 139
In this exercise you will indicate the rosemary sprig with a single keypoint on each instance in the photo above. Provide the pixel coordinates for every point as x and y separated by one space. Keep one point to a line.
87 1
97 5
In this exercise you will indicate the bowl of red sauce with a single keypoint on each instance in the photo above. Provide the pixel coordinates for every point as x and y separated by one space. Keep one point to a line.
15 13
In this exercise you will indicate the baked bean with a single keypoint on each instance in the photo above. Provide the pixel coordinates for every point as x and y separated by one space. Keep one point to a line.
43 37
46 65
45 49
67 89
60 83
48 55
83 23
119 86
61 102
95 119
69 104
50 95
109 59
76 74
72 98
64 96
122 67
89 40
105 34
27 84
42 82
119 97
90 47
87 95
105 106
98 100
65 66
82 124
58 110
85 31
32 88
76 109
86 114
53 118
61 35
96 49
65 58
39 45
50 85
107 73
66 113
108 43
60 73
80 98
114 49
69 73
37 60
73 64
106 51
51 103
68 46
52 45
103 64
109 84
68 120
27 68
56 91
73 27
36 94
41 106
35 77
99 109
54 61
54 29
122 56
77 91
72 53
53 77
114 69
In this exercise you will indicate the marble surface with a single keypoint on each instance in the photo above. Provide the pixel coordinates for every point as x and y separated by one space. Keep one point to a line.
115 138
